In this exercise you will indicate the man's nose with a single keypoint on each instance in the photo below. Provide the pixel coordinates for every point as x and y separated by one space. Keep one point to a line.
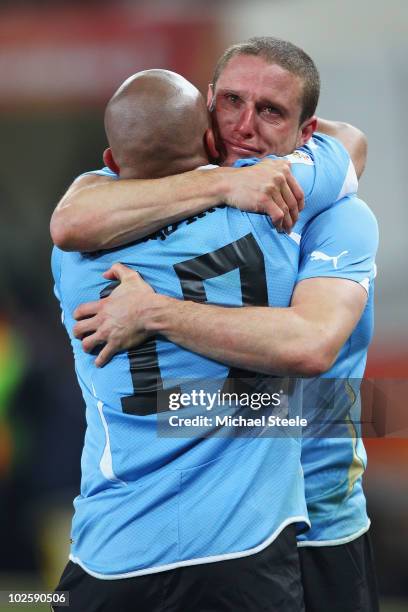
246 123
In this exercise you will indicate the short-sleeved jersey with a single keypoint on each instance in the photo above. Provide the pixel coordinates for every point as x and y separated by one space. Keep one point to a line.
149 503
326 155
340 243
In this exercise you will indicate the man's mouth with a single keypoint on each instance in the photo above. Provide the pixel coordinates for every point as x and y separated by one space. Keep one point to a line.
242 149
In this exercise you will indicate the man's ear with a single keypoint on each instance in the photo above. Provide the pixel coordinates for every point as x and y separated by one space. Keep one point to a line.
210 146
109 161
210 96
306 130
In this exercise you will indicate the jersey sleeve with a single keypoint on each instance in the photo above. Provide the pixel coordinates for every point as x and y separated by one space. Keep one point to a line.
101 172
341 243
333 165
56 257
323 169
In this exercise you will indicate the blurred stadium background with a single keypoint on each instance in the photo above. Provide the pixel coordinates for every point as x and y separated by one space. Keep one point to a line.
59 63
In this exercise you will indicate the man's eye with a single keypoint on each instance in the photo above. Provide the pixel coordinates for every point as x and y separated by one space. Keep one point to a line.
270 110
232 98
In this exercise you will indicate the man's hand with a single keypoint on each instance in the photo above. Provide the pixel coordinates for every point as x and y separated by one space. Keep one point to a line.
270 188
117 320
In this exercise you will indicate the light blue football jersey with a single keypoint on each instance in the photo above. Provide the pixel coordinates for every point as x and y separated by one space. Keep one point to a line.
150 503
326 155
340 243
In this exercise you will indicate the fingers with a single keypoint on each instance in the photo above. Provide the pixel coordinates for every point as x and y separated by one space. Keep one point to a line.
296 190
91 342
84 328
288 205
89 309
278 211
287 223
291 203
105 355
287 195
290 194
282 218
109 274
120 272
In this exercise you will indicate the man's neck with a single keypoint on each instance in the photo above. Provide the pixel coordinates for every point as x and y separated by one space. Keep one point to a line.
161 170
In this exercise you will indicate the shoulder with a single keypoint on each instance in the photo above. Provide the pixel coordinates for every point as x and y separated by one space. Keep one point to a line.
91 175
322 145
350 215
342 241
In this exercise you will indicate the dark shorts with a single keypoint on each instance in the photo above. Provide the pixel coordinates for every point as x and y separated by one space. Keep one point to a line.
267 581
339 578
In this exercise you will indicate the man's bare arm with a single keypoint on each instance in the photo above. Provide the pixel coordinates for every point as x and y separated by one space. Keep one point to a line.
353 139
303 339
99 213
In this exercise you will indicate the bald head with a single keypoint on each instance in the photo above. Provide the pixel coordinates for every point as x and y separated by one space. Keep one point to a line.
155 124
